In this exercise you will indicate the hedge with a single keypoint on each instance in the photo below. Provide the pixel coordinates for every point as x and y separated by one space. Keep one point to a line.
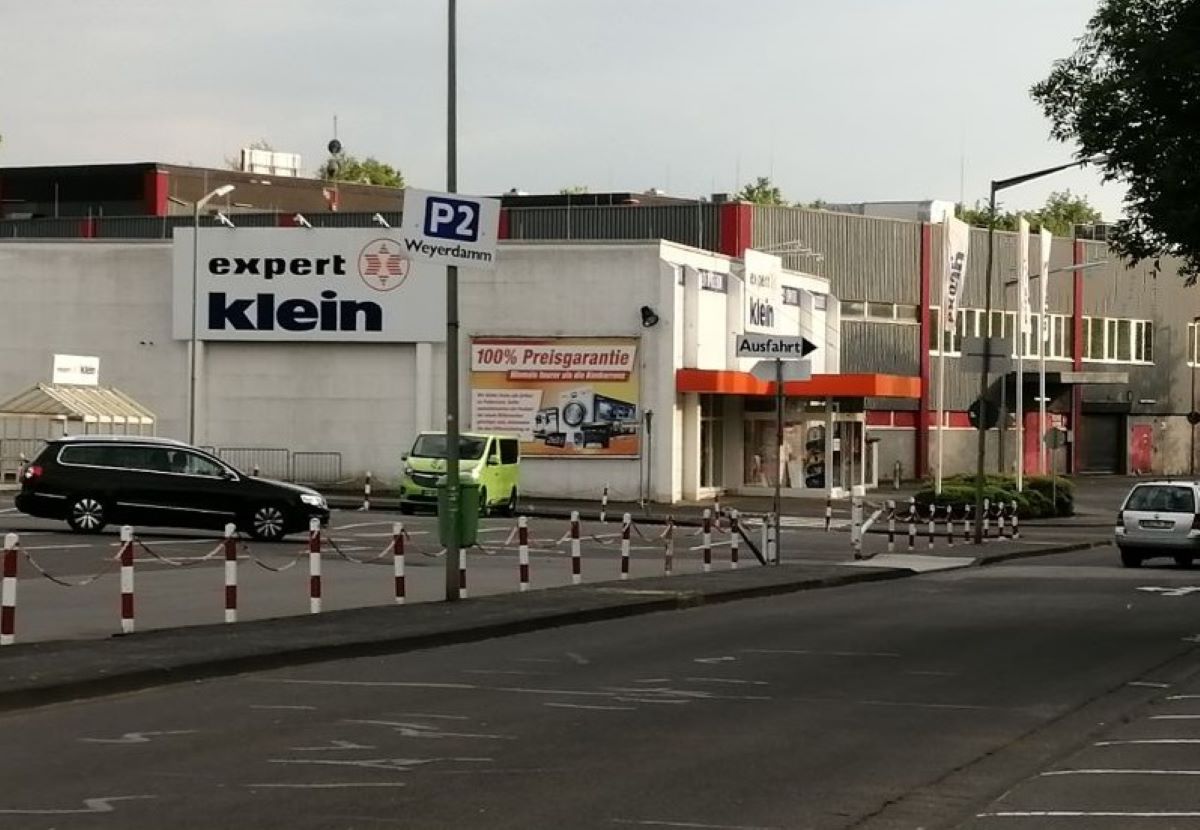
1036 501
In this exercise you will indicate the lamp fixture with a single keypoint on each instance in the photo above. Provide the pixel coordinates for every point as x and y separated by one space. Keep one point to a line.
649 317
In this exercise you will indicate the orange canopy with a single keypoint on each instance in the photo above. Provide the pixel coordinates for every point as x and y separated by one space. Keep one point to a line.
725 382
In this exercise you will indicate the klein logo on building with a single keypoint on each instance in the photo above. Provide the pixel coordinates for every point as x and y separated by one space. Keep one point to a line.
382 266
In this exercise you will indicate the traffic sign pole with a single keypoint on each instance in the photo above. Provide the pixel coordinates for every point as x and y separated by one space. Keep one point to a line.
453 507
780 463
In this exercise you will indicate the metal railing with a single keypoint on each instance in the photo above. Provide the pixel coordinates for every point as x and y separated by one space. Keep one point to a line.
317 467
13 453
269 462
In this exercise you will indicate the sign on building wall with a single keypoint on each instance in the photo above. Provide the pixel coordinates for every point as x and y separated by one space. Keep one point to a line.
450 228
76 370
564 396
311 284
763 295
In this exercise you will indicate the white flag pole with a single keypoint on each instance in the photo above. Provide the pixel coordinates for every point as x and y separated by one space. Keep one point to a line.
1047 239
1022 327
956 240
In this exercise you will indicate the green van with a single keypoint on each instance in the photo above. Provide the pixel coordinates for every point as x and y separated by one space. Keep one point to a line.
491 461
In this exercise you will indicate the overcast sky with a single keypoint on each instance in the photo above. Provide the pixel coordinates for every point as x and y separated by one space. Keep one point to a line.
844 100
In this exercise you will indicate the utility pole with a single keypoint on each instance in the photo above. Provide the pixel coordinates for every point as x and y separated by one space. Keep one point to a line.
453 474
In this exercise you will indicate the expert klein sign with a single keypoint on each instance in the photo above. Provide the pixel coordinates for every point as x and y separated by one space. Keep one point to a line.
315 285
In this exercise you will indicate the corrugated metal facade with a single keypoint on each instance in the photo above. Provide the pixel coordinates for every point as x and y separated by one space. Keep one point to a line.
696 225
863 258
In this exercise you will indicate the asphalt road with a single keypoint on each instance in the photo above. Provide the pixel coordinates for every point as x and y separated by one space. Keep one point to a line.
954 699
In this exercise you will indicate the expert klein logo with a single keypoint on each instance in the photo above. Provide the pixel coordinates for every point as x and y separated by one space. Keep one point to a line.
382 266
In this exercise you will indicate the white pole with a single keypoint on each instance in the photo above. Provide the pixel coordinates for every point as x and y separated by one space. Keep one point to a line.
941 407
1047 239
1022 329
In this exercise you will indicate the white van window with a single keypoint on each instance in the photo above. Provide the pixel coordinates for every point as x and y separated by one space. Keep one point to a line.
509 451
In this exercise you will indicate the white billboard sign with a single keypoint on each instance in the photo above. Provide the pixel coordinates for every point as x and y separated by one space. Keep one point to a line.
956 242
76 370
763 295
450 229
311 285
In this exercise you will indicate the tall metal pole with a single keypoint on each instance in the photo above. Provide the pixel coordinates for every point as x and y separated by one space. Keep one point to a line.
779 402
1195 352
452 427
192 341
981 450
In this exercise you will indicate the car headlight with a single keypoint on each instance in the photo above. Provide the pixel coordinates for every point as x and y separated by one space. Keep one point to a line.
313 499
408 470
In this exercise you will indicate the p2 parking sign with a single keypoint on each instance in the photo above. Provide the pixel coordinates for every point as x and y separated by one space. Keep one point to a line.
451 229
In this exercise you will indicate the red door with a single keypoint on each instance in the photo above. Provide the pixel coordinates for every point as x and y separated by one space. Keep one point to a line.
1141 448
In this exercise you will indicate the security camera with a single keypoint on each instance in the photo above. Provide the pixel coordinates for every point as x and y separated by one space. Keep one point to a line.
379 220
301 221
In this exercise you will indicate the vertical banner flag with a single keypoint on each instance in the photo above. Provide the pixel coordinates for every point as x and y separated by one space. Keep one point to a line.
956 241
1023 277
1046 238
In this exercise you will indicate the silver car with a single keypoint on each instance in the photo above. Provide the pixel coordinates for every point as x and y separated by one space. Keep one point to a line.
1160 518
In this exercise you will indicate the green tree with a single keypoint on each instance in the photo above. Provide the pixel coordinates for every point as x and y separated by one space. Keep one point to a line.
347 168
1061 213
1130 92
761 192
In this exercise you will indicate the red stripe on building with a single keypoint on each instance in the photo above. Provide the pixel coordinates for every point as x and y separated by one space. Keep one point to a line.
502 232
154 192
737 222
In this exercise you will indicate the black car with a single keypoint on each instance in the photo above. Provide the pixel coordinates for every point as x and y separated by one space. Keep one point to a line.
91 481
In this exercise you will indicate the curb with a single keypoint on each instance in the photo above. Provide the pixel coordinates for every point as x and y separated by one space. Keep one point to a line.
1029 554
628 603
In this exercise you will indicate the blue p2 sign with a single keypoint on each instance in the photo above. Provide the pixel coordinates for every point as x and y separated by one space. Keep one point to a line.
453 219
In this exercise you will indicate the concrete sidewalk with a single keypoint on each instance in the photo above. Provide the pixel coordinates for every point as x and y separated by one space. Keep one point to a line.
41 673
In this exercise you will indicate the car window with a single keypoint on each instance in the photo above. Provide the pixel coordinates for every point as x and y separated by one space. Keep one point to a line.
509 453
83 455
434 446
98 455
198 465
1160 498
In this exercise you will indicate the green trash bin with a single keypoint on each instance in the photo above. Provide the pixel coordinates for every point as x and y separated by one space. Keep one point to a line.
468 515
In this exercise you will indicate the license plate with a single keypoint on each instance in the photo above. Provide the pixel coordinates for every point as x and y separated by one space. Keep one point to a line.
1153 524
429 493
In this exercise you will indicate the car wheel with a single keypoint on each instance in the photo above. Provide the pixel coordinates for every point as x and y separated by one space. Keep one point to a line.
1131 558
1183 560
87 515
510 509
483 502
268 522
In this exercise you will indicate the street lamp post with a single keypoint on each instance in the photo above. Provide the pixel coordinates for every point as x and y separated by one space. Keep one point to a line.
199 205
981 449
1194 351
454 508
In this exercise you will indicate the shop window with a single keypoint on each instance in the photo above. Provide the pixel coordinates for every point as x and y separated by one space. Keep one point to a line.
853 308
881 311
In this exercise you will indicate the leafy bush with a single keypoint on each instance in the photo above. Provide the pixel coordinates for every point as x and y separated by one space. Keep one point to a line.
1035 502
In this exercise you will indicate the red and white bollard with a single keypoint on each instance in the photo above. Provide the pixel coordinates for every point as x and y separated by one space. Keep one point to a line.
231 574
1000 520
932 524
967 508
8 592
1016 527
523 551
462 573
576 553
987 514
604 505
626 527
366 505
314 566
398 561
669 549
706 541
127 580
949 525
891 505
734 539
828 513
912 523
764 538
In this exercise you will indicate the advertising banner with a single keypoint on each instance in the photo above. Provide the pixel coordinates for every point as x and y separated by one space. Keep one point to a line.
310 285
1023 276
956 242
566 397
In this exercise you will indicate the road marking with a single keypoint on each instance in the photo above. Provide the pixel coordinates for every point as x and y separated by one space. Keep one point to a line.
1147 684
684 694
282 706
8 510
420 730
436 717
932 673
137 737
400 684
1083 814
337 747
1175 717
102 804
1183 697
577 692
390 764
1149 741
654 680
811 653
590 707
507 671
1121 772
714 659
728 680
362 524
55 547
577 659
653 700
689 824
338 786
1181 591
